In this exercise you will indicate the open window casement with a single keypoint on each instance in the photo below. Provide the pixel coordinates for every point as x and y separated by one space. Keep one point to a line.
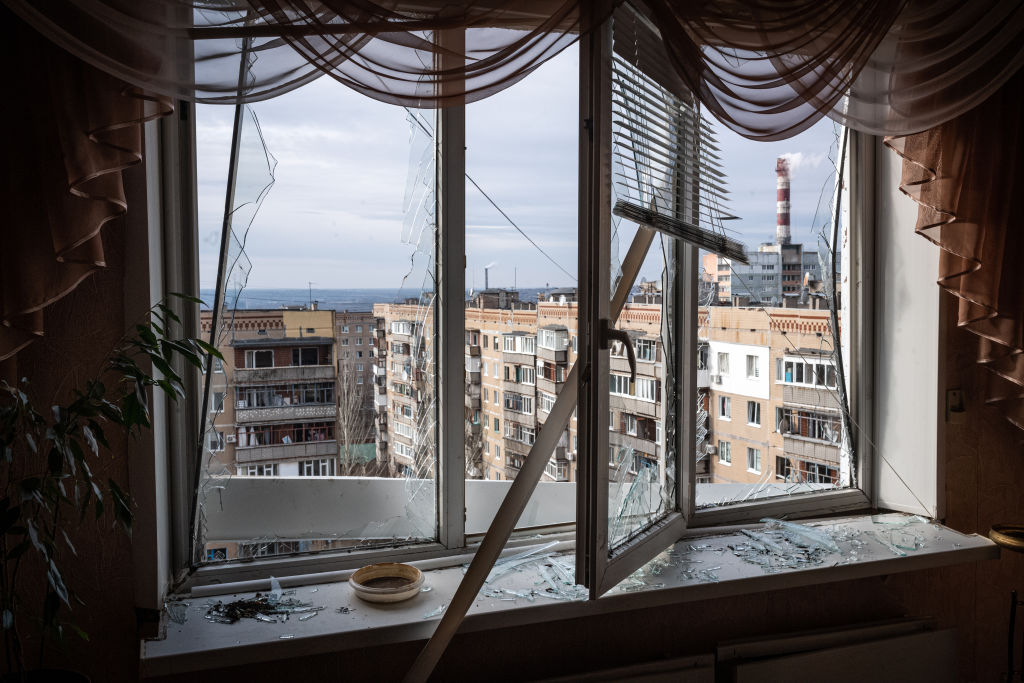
647 171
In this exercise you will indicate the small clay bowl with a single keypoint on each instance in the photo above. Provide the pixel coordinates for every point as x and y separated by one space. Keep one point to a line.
387 582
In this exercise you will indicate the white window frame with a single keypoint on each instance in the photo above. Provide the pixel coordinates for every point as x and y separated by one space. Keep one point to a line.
754 413
450 537
724 452
754 463
753 366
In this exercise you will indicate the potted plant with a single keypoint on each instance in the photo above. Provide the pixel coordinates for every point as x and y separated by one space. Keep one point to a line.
45 471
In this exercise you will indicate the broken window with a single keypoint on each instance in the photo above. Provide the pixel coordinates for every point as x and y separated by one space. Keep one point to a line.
355 190
783 307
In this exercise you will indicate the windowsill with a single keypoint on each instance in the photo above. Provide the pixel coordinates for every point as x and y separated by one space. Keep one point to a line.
202 645
725 419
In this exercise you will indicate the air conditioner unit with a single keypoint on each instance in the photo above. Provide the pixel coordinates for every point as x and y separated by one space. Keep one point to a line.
716 379
229 438
711 450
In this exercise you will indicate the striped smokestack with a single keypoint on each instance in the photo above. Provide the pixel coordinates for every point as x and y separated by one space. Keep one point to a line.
782 201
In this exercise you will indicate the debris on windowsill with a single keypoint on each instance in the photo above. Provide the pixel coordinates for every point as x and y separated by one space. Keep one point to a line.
261 607
436 612
177 610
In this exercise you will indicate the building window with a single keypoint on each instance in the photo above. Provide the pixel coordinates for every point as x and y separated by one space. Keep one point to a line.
218 366
754 459
630 424
262 470
724 407
359 341
215 441
359 328
258 359
218 402
321 467
723 363
753 371
496 426
781 468
646 349
309 355
754 413
725 452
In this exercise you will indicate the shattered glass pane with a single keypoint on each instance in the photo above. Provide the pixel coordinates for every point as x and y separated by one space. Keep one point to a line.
321 432
643 399
521 304
773 415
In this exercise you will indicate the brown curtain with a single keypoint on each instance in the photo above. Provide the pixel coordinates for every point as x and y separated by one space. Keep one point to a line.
69 130
767 69
967 176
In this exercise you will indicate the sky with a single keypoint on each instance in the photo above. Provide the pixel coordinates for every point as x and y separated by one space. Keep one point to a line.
335 214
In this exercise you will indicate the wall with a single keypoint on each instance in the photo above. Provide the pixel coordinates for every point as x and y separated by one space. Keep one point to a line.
81 329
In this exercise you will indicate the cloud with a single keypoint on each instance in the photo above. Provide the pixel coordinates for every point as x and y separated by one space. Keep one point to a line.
799 160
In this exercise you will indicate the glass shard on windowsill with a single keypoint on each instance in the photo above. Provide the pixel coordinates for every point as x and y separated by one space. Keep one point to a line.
436 612
177 611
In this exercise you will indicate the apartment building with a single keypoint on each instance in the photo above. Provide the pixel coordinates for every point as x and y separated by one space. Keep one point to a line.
774 273
273 401
356 336
405 397
775 409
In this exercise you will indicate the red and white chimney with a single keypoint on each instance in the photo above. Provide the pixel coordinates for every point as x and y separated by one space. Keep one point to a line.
782 201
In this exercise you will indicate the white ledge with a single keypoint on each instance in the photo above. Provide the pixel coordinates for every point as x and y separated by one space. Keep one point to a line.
199 644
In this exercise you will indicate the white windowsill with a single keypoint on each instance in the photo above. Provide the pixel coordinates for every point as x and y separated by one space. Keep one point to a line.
201 645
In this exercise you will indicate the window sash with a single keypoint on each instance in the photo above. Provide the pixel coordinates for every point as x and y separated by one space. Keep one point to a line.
451 240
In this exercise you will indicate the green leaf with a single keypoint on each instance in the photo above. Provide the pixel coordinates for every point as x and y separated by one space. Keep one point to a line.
212 350
169 313
68 541
146 335
79 632
187 297
122 505
98 433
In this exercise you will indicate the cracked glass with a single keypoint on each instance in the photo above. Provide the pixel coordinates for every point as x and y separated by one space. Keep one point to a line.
522 292
321 429
773 407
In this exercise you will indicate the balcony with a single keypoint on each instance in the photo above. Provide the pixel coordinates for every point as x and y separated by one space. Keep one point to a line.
814 449
548 386
379 370
295 373
380 400
703 378
517 447
472 349
821 398
287 451
473 364
560 356
473 396
528 419
292 413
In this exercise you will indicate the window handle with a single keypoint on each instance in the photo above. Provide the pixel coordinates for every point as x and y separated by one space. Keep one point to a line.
608 333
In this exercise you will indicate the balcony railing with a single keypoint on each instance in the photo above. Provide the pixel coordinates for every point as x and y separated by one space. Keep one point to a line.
287 372
294 413
287 451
